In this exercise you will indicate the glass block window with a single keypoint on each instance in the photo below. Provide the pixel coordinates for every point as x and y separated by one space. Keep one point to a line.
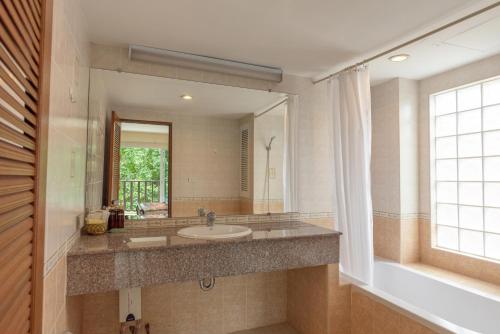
465 165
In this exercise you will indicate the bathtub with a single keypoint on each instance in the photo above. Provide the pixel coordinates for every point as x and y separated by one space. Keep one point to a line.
440 302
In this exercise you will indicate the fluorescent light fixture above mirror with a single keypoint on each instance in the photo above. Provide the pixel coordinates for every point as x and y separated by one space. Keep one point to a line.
204 63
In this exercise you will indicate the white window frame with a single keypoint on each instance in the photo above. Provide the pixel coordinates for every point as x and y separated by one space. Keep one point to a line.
433 160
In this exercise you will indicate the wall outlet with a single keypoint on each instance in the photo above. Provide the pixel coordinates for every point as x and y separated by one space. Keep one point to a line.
272 173
72 95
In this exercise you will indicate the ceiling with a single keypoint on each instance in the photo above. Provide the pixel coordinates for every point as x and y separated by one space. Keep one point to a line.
467 42
303 37
135 91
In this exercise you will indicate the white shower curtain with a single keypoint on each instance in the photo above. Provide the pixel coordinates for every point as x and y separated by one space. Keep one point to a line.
351 111
291 150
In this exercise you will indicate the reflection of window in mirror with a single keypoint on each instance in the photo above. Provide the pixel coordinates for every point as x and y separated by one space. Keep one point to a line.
168 155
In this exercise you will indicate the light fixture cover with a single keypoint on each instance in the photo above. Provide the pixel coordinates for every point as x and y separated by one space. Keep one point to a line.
193 61
399 58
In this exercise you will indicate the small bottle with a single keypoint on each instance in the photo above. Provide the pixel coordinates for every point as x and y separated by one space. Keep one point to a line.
120 217
112 221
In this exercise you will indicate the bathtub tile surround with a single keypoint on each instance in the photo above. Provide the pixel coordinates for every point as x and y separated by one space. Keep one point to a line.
396 238
372 315
235 303
394 170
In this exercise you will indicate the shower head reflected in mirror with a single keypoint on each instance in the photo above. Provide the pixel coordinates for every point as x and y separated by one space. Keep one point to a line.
268 147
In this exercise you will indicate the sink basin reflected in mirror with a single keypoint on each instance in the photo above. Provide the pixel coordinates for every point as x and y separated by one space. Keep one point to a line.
214 232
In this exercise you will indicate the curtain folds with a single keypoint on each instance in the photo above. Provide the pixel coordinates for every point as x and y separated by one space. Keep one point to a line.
351 116
291 150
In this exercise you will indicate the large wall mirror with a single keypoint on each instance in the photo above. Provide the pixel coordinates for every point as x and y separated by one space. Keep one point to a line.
162 147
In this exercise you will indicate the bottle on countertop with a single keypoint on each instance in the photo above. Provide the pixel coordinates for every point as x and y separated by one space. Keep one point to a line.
116 216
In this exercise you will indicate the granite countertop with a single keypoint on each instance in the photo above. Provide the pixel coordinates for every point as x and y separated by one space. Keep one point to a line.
166 237
111 261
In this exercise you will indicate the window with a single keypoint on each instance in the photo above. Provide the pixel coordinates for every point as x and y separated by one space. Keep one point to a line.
465 164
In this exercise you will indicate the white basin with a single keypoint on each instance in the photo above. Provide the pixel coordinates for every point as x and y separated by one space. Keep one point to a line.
214 232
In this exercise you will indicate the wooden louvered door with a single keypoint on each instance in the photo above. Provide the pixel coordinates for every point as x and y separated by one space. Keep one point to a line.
114 159
25 30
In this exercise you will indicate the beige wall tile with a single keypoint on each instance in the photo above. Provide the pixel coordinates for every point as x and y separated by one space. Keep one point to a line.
387 237
385 163
49 302
410 243
100 313
385 320
361 313
235 303
67 125
60 313
317 302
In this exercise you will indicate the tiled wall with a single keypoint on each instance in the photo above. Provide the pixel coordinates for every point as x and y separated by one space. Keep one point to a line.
385 168
67 144
466 265
60 313
261 206
188 206
235 303
394 170
318 302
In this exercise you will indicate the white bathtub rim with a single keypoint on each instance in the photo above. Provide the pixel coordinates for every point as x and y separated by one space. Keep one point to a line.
445 280
418 314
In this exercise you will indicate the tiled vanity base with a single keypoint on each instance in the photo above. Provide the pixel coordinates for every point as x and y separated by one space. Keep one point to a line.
273 329
108 262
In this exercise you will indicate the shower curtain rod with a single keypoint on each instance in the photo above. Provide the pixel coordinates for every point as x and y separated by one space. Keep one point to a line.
411 41
272 107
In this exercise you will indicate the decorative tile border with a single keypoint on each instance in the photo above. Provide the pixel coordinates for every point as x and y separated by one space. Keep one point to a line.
317 215
51 262
230 219
392 215
256 218
212 198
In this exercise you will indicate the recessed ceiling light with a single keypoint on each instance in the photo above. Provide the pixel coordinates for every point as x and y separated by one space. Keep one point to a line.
399 58
186 97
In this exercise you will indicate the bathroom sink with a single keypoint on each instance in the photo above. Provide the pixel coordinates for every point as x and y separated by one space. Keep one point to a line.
214 232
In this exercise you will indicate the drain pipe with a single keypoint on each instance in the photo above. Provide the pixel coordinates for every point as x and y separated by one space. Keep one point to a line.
207 283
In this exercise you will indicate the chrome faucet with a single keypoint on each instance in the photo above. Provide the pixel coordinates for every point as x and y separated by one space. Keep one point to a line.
211 218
